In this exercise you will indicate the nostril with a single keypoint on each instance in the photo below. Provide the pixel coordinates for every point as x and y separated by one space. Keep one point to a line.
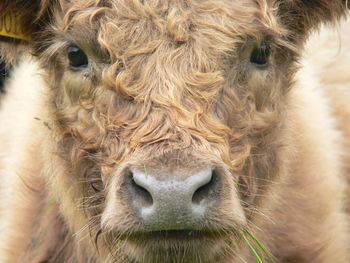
142 194
208 191
139 194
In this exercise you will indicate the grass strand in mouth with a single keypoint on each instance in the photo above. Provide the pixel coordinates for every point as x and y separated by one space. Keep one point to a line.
252 249
256 246
145 168
261 246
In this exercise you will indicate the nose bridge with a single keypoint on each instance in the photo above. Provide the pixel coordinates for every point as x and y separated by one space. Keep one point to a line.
179 122
171 180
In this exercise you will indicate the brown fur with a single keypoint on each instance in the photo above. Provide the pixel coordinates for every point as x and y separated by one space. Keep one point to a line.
170 84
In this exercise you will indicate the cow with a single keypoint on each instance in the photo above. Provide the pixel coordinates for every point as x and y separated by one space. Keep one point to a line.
171 131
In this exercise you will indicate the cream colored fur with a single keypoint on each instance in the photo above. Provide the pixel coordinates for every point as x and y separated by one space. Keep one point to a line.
20 162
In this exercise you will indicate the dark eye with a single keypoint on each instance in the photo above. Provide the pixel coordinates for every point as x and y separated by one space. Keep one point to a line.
261 54
77 57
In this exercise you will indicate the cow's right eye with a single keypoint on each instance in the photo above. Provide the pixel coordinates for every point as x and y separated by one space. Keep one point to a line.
77 57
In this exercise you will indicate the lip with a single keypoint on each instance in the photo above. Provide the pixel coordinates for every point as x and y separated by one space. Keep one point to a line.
174 236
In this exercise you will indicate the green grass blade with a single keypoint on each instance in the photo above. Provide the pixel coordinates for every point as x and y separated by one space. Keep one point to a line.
145 168
260 245
252 249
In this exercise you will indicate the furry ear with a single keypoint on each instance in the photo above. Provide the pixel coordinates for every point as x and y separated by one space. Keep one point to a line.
301 16
22 20
29 16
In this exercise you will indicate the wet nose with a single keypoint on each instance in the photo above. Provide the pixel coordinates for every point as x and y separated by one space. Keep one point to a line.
171 202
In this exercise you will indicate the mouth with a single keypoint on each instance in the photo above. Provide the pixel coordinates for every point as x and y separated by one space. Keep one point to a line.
173 235
175 246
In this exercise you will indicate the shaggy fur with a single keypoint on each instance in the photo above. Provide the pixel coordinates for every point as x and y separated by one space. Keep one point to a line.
169 85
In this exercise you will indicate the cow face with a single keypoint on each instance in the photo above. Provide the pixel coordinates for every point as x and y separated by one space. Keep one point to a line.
167 115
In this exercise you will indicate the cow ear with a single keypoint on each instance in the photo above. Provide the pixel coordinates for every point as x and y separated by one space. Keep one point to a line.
20 23
21 19
302 16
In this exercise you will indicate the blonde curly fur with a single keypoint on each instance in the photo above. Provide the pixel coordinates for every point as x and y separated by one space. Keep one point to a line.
170 84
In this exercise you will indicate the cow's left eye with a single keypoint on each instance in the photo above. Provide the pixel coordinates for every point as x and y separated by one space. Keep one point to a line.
261 54
77 57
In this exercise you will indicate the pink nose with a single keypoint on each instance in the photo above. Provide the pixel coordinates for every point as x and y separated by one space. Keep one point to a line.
173 203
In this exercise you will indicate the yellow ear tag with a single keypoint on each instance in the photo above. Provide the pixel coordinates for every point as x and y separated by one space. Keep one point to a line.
10 26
